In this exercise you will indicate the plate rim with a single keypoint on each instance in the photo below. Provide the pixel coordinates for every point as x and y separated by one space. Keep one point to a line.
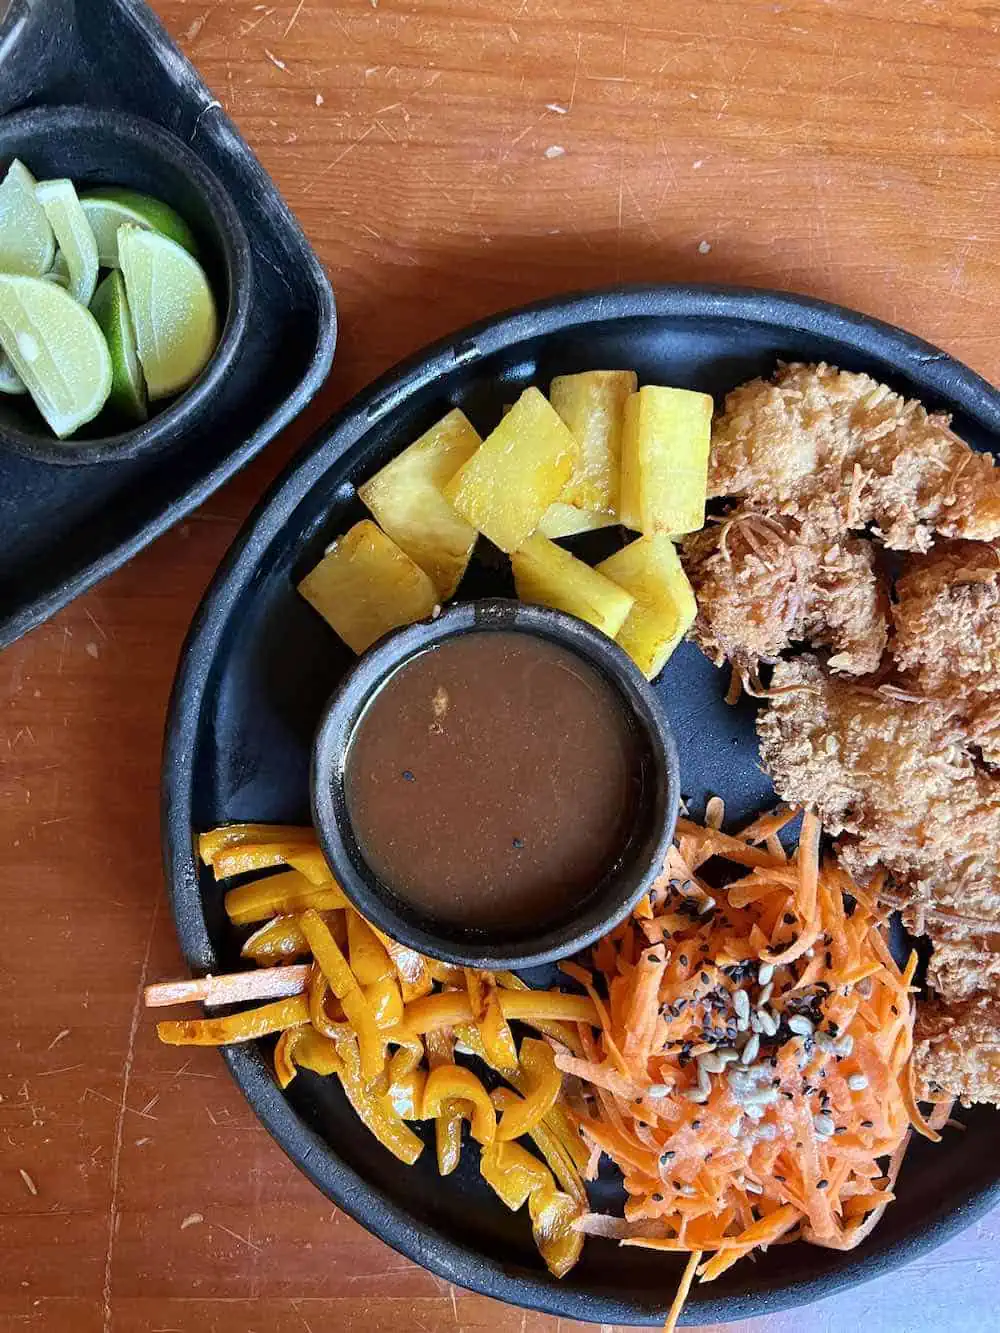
937 371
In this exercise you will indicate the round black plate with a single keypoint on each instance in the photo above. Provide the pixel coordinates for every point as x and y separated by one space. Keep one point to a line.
259 664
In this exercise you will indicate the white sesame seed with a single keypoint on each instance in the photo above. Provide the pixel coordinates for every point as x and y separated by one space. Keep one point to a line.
751 1187
697 1095
765 995
741 1003
857 1082
754 1112
658 1090
846 1045
765 972
800 1025
824 1126
736 1128
750 1050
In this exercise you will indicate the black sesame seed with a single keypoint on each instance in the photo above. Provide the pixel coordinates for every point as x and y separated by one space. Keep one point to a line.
677 1184
683 960
657 1198
408 776
822 1184
868 1124
651 958
696 1124
706 980
834 1028
780 1178
666 1157
829 958
789 918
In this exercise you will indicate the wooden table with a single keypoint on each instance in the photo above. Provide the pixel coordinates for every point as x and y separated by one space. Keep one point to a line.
448 158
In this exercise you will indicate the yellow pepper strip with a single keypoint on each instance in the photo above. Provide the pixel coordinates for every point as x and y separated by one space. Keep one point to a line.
311 862
279 895
245 1026
375 1112
518 1177
334 1026
409 1055
278 941
236 835
302 1048
448 1123
552 1216
385 1001
344 985
414 973
564 1033
544 1083
406 1095
254 856
498 1040
553 1138
284 1055
449 1008
450 1081
445 973
370 960
513 1173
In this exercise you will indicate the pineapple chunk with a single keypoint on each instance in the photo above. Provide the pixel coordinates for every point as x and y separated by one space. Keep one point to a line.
365 586
546 574
665 443
664 603
563 520
516 473
405 498
593 407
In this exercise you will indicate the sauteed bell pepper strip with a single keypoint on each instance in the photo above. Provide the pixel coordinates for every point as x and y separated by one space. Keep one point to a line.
249 856
448 1124
498 1040
277 941
343 983
543 1084
370 961
448 1082
289 892
406 1095
414 973
555 1149
321 1000
310 861
385 1001
449 1008
245 1026
519 1178
564 1033
377 1112
236 835
513 1173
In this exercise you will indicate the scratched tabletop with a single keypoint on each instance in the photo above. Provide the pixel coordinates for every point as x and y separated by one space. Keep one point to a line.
448 159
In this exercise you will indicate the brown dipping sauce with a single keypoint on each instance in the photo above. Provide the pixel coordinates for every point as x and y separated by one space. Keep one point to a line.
493 780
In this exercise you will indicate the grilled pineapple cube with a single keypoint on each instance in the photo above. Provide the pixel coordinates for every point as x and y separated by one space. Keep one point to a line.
593 407
406 499
563 520
665 443
664 603
546 574
365 586
516 473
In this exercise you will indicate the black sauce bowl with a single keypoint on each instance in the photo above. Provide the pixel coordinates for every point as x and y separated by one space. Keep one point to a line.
102 147
611 900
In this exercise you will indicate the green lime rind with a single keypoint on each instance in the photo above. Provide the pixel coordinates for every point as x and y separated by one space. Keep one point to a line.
128 387
10 381
57 349
27 244
72 230
110 208
173 310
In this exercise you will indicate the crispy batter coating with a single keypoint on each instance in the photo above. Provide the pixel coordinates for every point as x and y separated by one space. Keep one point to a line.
947 624
899 783
763 583
957 1049
847 452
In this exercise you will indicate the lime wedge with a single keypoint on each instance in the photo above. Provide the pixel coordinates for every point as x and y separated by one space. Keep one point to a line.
173 310
76 240
109 209
57 349
10 380
26 241
110 308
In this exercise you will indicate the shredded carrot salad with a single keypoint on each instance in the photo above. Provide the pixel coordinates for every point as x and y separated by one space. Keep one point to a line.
743 1054
751 1077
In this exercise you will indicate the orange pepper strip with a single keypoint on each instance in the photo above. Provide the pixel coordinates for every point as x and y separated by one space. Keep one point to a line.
245 1026
543 1085
278 895
447 1082
343 983
236 835
449 1008
498 1040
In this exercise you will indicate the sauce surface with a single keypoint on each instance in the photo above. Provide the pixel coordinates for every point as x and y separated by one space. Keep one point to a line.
493 780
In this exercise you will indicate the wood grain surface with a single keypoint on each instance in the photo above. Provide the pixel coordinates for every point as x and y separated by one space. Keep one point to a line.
447 158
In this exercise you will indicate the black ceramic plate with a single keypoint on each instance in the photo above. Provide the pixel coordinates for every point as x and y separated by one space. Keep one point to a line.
259 664
63 528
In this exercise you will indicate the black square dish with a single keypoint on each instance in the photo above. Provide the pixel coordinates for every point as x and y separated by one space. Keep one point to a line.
80 82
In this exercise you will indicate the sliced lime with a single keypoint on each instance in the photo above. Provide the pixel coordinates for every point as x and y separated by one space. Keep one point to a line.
110 308
173 310
57 349
109 209
76 240
10 380
26 241
59 272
